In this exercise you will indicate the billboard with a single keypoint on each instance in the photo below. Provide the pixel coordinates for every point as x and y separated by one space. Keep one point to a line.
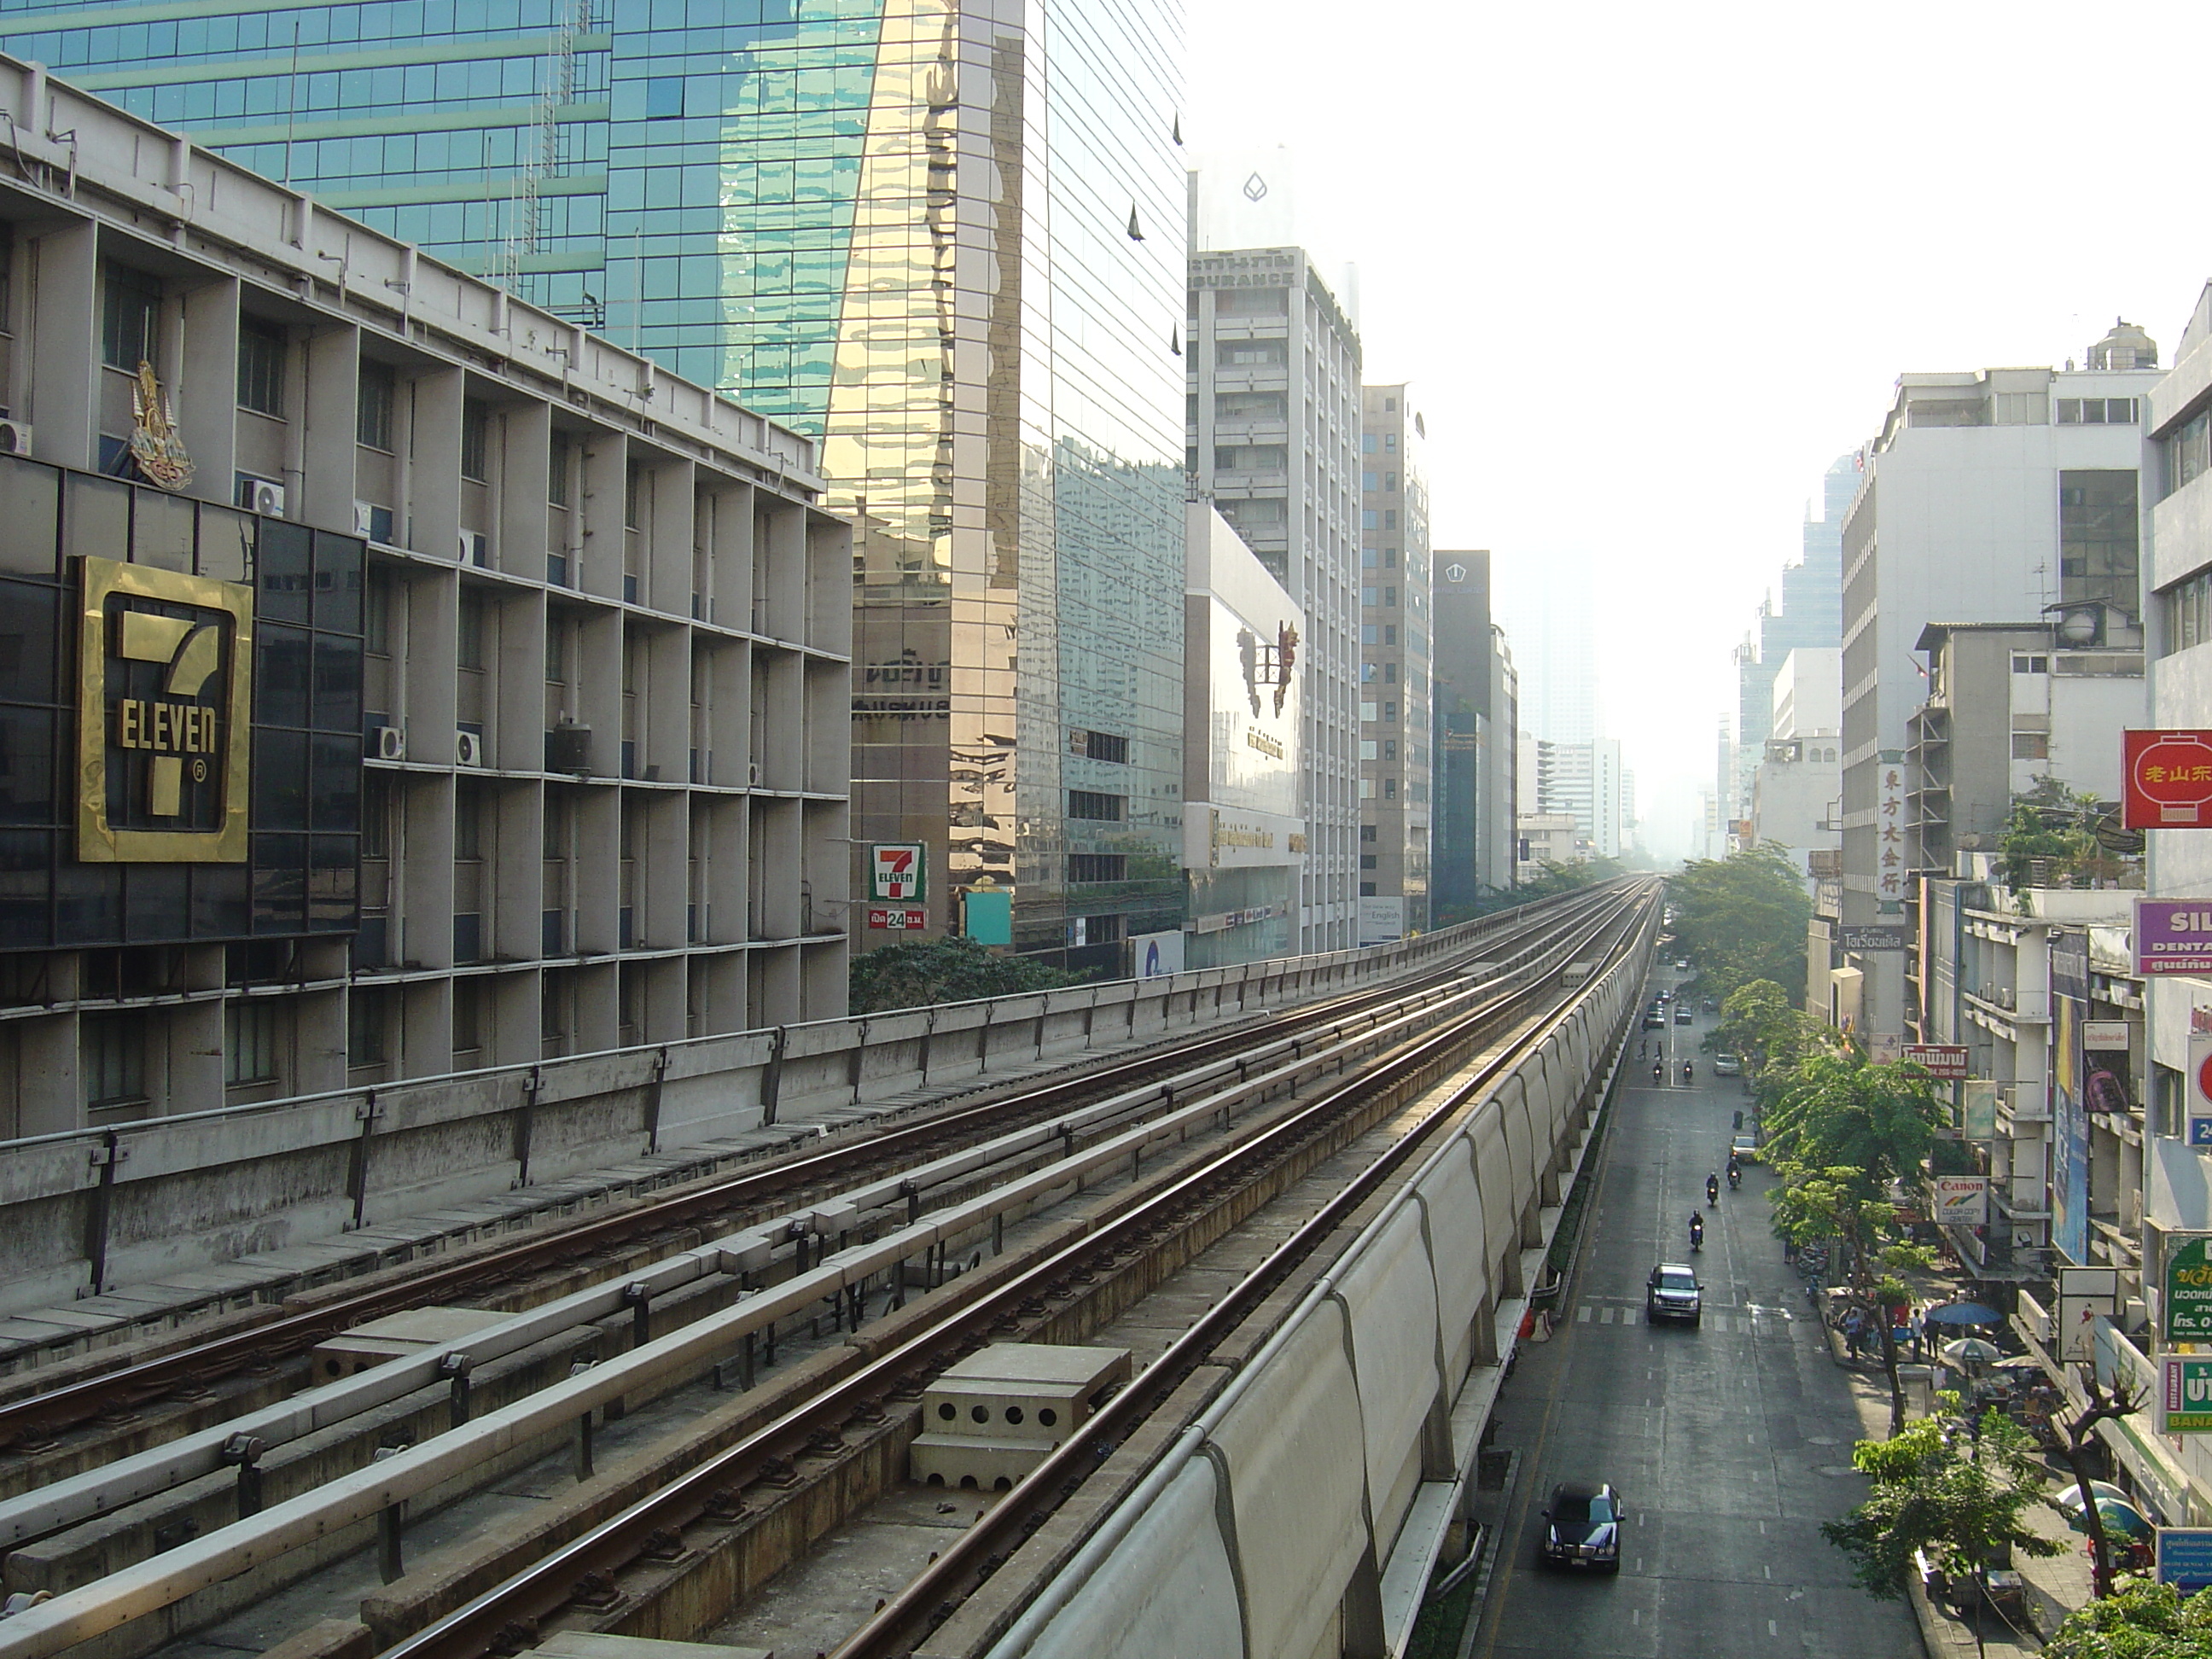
1382 920
2069 1128
2174 936
2166 780
1945 1060
1152 956
1960 1200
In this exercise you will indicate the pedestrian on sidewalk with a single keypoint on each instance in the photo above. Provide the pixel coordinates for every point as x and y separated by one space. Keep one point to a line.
1790 1251
1854 1333
1927 1338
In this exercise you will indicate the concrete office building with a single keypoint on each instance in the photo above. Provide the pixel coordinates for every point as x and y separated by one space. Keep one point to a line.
1548 839
1274 442
850 217
1477 747
1241 766
1395 669
1987 496
504 712
1796 792
1809 614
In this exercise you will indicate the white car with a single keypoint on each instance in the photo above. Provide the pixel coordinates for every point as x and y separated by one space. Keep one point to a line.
1727 1066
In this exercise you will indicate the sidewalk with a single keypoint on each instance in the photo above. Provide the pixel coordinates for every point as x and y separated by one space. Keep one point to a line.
2054 1587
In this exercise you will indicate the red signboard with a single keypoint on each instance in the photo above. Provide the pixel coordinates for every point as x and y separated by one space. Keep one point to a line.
897 918
2166 780
1946 1060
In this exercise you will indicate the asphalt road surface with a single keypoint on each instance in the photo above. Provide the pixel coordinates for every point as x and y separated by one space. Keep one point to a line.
1729 1441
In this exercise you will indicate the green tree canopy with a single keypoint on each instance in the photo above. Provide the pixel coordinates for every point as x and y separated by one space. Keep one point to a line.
1742 918
915 974
1757 1023
1843 1110
1940 1486
2139 1621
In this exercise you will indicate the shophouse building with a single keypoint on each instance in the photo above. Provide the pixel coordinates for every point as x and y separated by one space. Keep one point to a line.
461 689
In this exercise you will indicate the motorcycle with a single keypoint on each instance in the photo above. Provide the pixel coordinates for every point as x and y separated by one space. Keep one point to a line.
1658 1073
1735 1176
1712 1189
1689 1071
1697 1232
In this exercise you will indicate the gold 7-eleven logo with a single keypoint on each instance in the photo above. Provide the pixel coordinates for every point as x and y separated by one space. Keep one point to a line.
164 716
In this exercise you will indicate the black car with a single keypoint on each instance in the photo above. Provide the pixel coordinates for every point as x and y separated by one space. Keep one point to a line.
1673 1292
1654 1020
1581 1527
1682 1016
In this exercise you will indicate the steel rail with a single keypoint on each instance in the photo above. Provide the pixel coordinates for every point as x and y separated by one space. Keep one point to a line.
54 1409
80 1614
93 1492
710 1491
978 1551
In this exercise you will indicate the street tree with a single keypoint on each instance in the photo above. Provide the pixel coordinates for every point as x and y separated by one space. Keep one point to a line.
1758 1024
2102 1405
1841 1110
1952 1489
1813 1204
2139 1621
955 969
1741 918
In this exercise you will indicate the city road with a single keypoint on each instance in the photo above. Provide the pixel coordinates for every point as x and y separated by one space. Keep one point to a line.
1729 1441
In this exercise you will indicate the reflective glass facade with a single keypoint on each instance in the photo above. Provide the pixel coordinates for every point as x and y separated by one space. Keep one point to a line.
946 236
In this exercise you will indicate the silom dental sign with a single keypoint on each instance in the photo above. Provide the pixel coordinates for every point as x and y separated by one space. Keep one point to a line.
164 716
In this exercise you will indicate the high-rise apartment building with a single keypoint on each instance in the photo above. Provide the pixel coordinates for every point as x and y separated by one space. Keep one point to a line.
1549 611
1987 497
1808 615
462 690
1395 668
1476 694
927 232
1274 442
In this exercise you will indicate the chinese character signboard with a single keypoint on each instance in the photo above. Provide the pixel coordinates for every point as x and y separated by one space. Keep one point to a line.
2185 1307
2185 1393
1889 834
2166 780
1944 1060
164 716
1960 1200
897 871
2174 936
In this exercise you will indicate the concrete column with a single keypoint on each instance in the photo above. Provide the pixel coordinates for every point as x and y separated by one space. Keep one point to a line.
60 379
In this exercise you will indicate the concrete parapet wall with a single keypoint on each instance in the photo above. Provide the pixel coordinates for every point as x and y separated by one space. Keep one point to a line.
85 1211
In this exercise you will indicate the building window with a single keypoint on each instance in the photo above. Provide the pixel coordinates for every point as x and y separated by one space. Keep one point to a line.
1097 867
261 350
1367 749
1389 599
1367 889
1367 596
476 439
113 1059
557 475
2096 411
374 402
2031 746
1390 405
1099 746
1390 789
1368 862
2023 663
1389 443
1367 711
2097 540
469 648
366 1040
2188 608
249 1049
1390 669
664 97
1367 832
2188 452
1367 633
130 319
1090 804
1389 558
1369 520
1389 634
1367 443
1390 483
1390 519
1367 481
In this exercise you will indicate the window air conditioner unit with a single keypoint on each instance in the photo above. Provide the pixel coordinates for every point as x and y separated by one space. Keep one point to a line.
14 437
387 742
364 515
475 549
469 748
259 495
569 748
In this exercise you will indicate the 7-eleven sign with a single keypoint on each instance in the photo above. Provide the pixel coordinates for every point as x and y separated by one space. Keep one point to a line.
897 871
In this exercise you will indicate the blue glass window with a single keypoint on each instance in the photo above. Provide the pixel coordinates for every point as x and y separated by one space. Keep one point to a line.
664 97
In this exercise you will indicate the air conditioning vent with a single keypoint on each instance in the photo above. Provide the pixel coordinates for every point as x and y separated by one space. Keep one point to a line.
469 748
752 774
475 549
387 742
373 522
14 437
260 496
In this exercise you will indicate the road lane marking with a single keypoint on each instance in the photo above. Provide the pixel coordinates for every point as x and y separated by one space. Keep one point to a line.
1581 1314
1770 1630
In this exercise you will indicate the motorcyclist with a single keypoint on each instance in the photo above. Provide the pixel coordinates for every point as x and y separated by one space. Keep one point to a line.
1688 1070
1697 1230
1735 1175
1658 1072
1712 1189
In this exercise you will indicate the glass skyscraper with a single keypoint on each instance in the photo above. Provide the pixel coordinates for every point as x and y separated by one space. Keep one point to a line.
945 236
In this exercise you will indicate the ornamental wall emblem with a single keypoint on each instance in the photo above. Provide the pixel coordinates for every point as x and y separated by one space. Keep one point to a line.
155 449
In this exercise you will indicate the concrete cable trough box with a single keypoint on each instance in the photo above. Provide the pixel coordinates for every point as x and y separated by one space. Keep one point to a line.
994 1417
397 1336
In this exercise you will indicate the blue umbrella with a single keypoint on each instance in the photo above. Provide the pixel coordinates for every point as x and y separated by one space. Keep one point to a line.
1965 1313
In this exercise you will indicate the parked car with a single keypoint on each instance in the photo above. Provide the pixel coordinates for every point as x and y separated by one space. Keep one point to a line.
1673 1292
1581 1527
1728 1065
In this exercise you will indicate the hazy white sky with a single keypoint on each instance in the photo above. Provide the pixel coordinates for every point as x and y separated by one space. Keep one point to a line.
1652 268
